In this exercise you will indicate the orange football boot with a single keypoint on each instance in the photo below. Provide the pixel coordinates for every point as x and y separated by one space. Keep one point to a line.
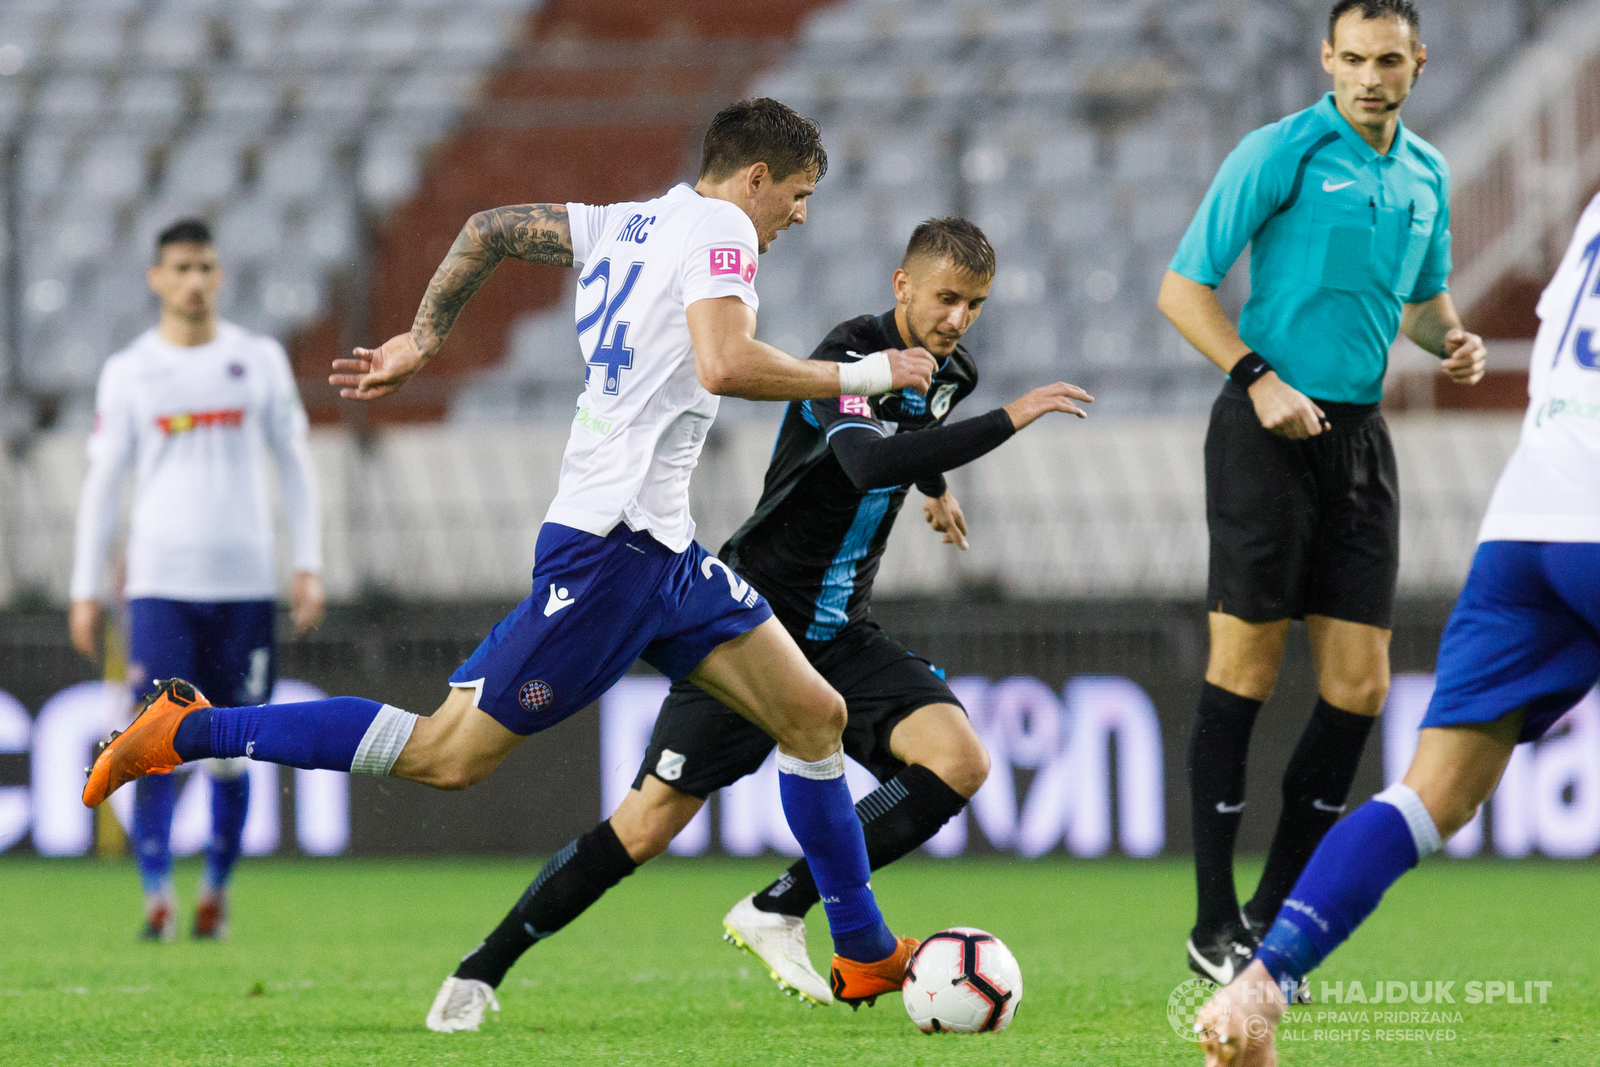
858 983
145 747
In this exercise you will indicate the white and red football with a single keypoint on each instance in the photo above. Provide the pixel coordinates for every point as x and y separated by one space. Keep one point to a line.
962 981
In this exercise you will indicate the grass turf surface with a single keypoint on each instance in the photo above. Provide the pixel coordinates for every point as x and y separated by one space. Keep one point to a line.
336 962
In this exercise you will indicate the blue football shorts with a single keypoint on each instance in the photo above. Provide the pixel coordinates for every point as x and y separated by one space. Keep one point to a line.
598 604
1525 634
225 649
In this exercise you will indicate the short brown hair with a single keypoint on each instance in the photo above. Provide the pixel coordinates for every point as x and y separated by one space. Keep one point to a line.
762 131
1378 9
955 239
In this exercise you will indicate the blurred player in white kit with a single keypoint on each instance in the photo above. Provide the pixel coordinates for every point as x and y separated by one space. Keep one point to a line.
193 406
1522 647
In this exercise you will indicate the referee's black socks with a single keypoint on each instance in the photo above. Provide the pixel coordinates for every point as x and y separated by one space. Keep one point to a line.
1315 787
569 882
896 817
1218 748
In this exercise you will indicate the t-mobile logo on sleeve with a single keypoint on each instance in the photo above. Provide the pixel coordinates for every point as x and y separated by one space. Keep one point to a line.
855 405
732 261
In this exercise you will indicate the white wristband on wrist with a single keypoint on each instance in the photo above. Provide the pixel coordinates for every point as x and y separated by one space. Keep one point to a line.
868 376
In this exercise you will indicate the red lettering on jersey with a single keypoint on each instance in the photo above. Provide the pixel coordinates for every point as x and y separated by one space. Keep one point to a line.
184 421
855 405
729 261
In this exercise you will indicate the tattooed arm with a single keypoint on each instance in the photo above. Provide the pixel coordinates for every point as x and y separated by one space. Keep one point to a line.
538 233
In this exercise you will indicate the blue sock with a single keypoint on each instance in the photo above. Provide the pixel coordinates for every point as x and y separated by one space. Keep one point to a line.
337 734
154 798
230 801
1360 858
817 804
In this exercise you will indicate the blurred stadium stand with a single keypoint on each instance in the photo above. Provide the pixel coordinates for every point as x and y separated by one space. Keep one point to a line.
339 144
1079 135
288 124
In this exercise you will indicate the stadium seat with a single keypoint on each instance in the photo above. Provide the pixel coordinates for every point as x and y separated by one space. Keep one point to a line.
205 168
149 103
243 103
112 170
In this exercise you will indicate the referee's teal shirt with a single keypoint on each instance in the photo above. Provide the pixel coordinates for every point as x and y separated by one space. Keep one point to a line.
1340 238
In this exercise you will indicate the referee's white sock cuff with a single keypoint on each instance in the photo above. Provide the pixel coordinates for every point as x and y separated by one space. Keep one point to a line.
1424 834
820 771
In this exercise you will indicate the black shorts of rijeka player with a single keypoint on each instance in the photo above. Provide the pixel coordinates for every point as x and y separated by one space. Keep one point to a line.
699 745
1301 527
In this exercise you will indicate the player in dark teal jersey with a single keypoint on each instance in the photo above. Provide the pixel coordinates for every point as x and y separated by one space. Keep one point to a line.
1347 216
838 475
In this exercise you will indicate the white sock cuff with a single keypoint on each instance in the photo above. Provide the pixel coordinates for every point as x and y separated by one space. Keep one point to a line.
1404 799
226 770
821 771
381 744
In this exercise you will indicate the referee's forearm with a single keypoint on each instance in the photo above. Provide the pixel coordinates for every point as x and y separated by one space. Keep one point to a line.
1428 322
1197 314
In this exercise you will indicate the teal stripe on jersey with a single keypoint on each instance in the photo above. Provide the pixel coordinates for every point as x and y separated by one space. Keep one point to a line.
839 581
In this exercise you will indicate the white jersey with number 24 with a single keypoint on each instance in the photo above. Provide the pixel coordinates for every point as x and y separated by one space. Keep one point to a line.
1550 490
643 415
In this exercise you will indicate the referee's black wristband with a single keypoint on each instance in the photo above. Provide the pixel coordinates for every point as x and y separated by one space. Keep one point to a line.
1249 369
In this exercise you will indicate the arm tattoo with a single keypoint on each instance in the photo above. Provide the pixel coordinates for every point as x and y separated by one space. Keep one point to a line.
538 233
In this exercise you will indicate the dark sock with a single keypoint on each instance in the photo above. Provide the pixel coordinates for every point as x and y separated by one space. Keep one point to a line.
193 739
569 882
896 817
1315 787
1217 751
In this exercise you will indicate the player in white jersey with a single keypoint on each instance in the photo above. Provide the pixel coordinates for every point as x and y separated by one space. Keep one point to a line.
1521 648
666 315
194 407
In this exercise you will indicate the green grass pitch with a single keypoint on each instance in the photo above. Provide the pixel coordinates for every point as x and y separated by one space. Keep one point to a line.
336 962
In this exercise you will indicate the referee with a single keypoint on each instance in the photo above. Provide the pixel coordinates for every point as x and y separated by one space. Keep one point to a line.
1347 216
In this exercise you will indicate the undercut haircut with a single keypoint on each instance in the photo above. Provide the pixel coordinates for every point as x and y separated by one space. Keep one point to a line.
184 231
1378 9
762 131
953 239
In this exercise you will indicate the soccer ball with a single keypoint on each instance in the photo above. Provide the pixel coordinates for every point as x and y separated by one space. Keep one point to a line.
962 981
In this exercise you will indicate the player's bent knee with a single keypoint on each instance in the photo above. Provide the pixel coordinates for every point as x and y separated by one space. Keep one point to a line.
964 767
812 731
1359 696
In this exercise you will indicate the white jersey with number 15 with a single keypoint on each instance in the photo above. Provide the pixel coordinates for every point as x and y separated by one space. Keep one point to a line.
1550 490
643 415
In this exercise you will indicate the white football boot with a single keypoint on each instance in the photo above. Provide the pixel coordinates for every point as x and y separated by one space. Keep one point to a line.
460 1005
779 941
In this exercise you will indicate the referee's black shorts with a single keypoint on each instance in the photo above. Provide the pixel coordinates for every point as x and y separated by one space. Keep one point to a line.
699 745
1301 527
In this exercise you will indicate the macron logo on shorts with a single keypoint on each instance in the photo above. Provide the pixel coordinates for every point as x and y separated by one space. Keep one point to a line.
732 261
558 600
855 405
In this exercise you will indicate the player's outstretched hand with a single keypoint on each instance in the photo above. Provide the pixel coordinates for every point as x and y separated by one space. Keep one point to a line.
1465 358
376 372
1058 397
944 515
1285 410
913 368
1240 1022
307 602
83 626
